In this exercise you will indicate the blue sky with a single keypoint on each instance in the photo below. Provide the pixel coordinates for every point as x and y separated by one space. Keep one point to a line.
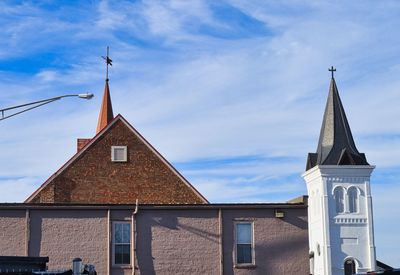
231 92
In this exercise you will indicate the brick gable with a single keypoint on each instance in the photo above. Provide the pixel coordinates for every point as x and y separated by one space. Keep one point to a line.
91 177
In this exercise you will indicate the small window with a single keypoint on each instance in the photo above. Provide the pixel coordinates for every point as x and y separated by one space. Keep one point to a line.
353 199
339 199
122 243
119 153
244 243
349 267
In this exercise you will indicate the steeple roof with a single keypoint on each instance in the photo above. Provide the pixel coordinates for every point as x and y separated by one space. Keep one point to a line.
336 145
106 111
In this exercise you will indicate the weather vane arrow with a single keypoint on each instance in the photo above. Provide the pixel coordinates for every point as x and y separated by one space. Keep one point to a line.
108 61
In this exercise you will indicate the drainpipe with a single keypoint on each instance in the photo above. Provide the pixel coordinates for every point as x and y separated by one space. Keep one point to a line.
133 236
108 241
221 242
27 231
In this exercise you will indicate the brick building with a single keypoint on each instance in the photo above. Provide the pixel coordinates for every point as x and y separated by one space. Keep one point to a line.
87 209
117 166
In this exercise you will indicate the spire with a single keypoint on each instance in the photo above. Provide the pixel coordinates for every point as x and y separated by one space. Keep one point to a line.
106 112
336 145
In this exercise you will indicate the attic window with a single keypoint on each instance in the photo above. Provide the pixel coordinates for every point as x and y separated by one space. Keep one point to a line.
118 153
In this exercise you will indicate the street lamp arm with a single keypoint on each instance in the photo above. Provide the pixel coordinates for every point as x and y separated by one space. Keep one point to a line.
31 103
39 103
25 110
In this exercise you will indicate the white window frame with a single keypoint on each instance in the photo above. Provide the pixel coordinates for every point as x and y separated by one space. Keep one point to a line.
114 243
125 157
253 254
344 195
357 198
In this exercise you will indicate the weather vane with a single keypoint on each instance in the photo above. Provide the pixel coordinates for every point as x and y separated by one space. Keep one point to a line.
108 62
332 70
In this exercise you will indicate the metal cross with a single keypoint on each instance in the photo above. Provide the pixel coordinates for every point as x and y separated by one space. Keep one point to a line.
108 62
331 69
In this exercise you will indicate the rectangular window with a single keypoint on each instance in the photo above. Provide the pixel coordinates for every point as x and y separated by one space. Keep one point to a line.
119 153
122 243
244 243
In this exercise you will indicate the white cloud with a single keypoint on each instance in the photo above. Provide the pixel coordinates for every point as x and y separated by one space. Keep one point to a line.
17 189
197 96
48 75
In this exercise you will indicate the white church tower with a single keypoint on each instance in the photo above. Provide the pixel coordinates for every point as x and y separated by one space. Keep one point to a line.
341 235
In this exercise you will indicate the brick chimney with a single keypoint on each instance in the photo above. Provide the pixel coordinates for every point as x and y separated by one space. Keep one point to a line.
81 142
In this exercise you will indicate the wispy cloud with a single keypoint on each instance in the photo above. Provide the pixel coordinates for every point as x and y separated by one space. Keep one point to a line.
232 92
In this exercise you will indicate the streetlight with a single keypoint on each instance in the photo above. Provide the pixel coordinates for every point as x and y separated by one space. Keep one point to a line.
40 103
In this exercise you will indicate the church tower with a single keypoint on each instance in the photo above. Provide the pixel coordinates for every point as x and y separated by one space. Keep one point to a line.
341 235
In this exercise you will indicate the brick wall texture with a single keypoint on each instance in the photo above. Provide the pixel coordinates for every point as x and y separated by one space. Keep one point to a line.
94 178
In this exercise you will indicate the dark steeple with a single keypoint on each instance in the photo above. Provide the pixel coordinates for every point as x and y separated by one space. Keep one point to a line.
336 145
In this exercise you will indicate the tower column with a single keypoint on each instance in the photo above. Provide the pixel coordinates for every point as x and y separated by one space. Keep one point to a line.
341 232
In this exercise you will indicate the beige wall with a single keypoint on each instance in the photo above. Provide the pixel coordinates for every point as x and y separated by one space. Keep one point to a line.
181 240
63 235
12 233
178 242
281 245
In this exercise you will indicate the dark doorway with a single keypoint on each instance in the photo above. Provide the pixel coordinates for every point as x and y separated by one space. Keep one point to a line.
349 267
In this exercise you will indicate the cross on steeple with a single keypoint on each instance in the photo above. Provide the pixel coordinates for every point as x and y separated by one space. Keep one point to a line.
108 62
332 70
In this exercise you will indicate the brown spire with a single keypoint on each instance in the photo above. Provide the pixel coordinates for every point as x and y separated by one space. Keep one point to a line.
106 112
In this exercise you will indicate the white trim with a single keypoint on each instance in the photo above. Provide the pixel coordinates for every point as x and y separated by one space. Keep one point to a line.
358 193
253 254
114 223
124 157
352 170
344 198
326 231
356 262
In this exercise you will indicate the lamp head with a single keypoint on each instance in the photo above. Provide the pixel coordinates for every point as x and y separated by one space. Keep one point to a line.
86 96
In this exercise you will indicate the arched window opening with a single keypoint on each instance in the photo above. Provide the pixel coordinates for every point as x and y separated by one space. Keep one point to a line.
339 199
349 267
353 200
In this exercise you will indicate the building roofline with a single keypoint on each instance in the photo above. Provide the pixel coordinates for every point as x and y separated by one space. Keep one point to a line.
71 160
58 206
95 138
164 160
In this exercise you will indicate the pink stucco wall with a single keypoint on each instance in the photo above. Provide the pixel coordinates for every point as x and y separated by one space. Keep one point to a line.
281 245
63 235
170 240
178 242
12 233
